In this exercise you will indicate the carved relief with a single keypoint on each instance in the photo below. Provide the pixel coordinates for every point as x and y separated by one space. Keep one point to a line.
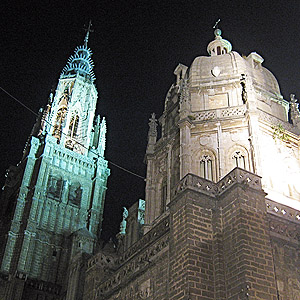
144 290
290 231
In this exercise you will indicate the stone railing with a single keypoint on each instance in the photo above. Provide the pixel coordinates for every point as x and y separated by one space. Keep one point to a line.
283 211
289 230
236 176
240 176
220 113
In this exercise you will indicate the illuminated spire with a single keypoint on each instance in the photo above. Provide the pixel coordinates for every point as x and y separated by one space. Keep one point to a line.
81 62
88 30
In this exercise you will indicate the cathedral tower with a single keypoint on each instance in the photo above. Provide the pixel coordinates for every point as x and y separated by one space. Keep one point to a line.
57 191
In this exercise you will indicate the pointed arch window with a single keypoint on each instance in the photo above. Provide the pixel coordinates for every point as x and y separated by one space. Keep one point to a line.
60 118
206 167
239 159
73 127
164 194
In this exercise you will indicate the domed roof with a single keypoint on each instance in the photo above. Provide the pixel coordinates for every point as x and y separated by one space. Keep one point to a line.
232 65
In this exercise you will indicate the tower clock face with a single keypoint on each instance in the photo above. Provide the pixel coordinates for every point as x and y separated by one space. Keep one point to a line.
216 71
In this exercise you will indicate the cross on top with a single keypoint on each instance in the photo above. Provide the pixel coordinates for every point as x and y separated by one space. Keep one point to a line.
216 25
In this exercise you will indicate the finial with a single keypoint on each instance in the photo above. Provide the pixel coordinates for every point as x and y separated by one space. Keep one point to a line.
152 125
293 99
88 30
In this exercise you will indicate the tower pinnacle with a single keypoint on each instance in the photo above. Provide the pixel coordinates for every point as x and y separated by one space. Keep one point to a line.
81 62
88 30
218 46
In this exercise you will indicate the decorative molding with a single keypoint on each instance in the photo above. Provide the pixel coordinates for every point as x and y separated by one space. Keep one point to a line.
220 113
132 268
135 259
275 121
285 230
40 285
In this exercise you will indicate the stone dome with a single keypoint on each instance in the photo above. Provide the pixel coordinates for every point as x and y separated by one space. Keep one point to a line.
214 68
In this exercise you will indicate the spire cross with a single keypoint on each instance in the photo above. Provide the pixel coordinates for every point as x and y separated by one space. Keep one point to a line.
217 24
88 30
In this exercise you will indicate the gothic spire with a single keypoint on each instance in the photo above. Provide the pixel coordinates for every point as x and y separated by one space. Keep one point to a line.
88 30
81 62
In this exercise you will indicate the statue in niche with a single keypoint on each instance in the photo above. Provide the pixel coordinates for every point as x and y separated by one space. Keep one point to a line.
75 194
124 222
55 185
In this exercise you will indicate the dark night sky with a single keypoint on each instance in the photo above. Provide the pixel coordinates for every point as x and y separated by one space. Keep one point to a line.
136 46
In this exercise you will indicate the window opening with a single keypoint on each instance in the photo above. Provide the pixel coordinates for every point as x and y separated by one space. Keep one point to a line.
73 126
164 192
60 118
206 168
75 194
55 186
239 160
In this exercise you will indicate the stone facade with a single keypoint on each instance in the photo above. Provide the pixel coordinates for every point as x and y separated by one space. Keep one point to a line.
222 205
53 199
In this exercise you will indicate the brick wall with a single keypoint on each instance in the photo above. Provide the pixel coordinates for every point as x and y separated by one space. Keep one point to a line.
249 268
191 243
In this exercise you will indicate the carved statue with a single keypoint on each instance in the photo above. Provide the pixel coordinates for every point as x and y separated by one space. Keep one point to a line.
294 110
152 125
124 222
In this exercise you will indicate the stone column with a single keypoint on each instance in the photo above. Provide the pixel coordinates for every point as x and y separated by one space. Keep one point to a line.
185 155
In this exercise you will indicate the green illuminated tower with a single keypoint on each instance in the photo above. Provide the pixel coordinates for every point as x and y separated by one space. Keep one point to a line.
52 202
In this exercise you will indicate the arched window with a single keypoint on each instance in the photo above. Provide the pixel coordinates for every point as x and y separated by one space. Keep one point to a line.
164 194
204 164
60 117
206 167
239 159
218 50
73 127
